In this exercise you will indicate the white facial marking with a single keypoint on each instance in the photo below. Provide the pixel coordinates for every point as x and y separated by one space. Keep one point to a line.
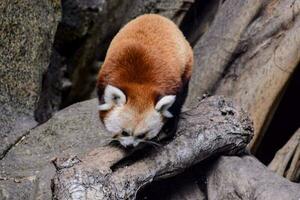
115 120
164 104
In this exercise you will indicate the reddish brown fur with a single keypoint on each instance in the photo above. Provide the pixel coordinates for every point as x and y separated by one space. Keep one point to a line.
148 58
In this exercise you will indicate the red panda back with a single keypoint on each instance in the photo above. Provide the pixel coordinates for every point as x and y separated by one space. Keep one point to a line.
149 50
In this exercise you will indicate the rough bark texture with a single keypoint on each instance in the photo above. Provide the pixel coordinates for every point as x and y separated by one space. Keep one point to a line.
287 160
258 77
83 36
215 48
215 126
234 178
249 54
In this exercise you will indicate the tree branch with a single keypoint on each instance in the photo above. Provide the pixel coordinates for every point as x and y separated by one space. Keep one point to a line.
287 160
215 126
235 178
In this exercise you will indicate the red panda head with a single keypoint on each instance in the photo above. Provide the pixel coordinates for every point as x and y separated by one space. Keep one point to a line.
133 117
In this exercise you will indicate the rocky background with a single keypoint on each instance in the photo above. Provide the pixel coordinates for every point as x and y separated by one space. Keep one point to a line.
51 51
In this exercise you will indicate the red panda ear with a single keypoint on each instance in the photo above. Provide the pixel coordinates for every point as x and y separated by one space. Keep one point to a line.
112 96
164 104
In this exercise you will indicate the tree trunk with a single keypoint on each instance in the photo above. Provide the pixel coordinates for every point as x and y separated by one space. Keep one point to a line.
249 54
215 48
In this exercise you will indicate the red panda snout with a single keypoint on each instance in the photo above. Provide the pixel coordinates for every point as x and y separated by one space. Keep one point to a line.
128 125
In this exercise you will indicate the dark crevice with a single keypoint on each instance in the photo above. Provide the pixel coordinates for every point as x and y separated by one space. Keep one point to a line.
52 187
163 189
73 32
54 82
198 18
50 96
12 145
258 14
169 188
284 123
65 43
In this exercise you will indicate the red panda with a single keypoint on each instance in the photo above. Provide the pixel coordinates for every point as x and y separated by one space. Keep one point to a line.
143 81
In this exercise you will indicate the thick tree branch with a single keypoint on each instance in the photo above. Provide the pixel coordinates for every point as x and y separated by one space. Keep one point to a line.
234 178
287 160
215 126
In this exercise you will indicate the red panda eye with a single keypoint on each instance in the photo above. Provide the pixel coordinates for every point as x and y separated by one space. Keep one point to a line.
115 98
141 136
124 133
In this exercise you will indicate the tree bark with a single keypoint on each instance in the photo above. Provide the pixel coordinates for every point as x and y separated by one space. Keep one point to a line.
215 48
235 178
249 54
287 160
215 126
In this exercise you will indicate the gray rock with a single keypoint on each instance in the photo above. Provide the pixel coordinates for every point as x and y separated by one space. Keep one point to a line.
72 131
26 34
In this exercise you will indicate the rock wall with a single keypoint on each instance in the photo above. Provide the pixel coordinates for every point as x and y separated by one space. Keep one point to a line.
26 35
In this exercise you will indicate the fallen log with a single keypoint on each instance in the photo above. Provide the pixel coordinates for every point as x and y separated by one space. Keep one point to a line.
215 126
232 178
